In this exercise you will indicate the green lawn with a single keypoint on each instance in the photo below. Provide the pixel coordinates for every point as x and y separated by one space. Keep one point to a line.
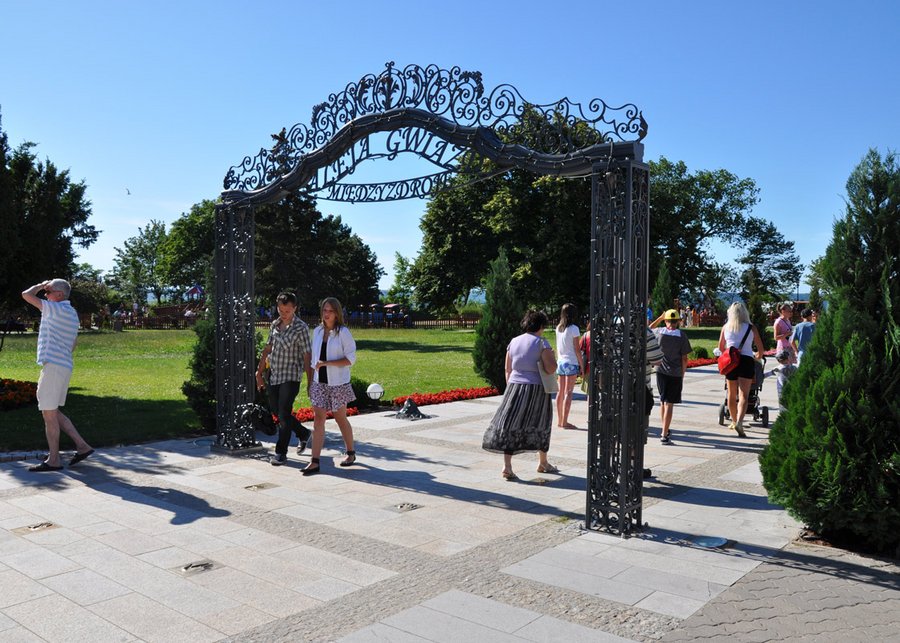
126 387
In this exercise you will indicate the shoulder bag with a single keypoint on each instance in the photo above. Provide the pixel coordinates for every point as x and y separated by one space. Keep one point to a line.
729 360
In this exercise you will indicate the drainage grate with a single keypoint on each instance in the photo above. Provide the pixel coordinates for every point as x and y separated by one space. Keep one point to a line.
196 567
712 542
403 507
262 486
30 529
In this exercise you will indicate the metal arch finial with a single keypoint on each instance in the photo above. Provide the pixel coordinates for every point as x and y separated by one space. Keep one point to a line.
455 95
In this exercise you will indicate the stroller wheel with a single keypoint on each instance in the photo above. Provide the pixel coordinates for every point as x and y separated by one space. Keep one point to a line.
722 414
765 416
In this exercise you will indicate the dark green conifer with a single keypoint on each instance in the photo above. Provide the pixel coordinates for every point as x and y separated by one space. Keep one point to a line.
500 322
834 455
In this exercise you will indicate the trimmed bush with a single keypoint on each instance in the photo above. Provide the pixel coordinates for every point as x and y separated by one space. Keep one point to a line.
834 454
500 322
701 353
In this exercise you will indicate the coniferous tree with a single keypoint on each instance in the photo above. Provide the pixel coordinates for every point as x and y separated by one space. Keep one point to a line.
499 324
834 455
663 295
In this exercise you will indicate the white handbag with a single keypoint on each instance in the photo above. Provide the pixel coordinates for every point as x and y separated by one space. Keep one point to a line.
551 384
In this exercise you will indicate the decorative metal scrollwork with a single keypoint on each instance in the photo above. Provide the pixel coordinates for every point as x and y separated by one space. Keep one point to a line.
452 94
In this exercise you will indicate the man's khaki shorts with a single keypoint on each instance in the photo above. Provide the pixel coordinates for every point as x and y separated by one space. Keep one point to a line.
52 387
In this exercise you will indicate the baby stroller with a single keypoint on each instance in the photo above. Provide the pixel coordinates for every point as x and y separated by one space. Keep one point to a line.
753 407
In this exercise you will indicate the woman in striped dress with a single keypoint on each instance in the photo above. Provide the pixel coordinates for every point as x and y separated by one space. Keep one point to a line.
522 422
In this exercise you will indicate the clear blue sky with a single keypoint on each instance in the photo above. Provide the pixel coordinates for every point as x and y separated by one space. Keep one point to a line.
161 98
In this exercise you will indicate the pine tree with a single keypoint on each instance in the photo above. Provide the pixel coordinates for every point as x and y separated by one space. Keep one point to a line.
834 455
499 323
663 296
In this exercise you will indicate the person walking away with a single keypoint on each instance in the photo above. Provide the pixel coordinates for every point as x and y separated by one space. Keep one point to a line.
335 352
522 421
287 352
654 356
569 362
737 333
57 338
675 346
803 333
782 330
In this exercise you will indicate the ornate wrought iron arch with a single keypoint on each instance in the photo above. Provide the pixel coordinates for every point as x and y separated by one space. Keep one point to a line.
438 114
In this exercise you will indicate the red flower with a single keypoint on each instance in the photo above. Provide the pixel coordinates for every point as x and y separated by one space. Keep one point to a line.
424 399
14 393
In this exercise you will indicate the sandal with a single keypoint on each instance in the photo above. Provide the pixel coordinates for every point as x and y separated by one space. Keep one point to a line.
509 476
349 460
78 457
43 466
312 468
547 468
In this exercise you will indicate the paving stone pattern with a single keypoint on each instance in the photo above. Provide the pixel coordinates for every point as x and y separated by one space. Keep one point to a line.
422 541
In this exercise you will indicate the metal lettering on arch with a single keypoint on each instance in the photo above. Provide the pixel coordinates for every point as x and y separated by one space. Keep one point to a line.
439 115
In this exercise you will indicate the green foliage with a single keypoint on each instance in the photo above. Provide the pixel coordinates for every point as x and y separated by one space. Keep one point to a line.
770 260
834 454
43 215
402 290
499 324
200 390
688 210
817 286
362 401
701 353
755 307
315 256
186 254
89 293
138 265
663 296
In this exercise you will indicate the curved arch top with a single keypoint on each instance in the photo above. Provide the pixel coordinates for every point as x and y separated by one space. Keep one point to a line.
456 102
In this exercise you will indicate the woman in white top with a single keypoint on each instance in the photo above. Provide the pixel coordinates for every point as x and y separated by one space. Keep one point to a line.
568 362
333 353
740 333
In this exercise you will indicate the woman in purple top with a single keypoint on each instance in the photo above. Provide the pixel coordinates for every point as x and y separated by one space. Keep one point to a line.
522 422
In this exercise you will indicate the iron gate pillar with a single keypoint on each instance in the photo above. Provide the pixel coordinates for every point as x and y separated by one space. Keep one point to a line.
235 334
617 422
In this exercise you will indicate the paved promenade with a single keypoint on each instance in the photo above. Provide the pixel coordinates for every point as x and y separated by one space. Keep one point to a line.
424 541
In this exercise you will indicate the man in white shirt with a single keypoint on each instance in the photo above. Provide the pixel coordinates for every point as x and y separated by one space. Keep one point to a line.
56 341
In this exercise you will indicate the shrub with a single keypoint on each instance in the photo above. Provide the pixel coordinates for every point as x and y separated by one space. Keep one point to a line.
834 454
200 390
362 401
701 353
501 316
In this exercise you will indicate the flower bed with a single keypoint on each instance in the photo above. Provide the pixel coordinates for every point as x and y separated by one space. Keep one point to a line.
306 414
14 394
701 362
454 395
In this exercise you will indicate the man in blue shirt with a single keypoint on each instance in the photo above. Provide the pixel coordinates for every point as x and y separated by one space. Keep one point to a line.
56 341
803 333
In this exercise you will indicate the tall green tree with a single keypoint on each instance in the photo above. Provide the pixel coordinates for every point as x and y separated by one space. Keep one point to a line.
500 322
816 284
663 295
44 216
186 253
543 223
834 454
89 292
401 291
314 255
770 260
690 209
138 266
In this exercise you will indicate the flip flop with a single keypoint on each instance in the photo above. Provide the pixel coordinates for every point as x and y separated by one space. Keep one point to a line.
78 457
43 466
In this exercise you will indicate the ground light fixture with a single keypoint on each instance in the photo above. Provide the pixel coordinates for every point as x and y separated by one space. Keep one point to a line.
375 391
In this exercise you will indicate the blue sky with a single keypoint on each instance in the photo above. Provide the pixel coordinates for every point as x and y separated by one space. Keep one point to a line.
161 98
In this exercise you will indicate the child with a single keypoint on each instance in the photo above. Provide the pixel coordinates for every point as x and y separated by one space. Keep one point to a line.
783 372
